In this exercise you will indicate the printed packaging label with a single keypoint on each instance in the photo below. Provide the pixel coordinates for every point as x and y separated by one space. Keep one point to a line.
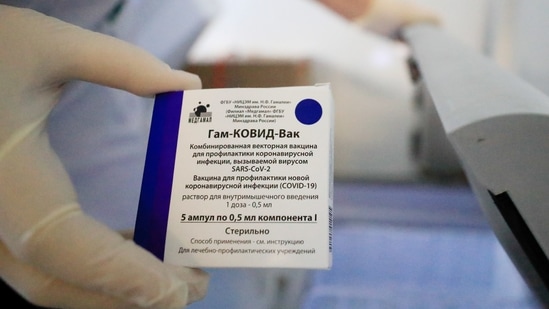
240 177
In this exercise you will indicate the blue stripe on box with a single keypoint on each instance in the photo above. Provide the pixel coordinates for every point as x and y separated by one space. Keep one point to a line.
156 187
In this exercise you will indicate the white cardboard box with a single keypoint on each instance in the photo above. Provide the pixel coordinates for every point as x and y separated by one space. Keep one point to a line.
240 177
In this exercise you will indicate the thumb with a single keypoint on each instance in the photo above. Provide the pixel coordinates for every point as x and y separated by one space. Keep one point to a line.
111 62
71 52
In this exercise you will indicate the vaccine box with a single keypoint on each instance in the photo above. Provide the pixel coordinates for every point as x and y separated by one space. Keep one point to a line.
240 177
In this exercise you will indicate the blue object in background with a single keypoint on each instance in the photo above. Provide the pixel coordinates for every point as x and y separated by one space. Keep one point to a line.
398 246
411 267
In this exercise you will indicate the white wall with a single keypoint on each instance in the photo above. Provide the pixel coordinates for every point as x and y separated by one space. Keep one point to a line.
531 42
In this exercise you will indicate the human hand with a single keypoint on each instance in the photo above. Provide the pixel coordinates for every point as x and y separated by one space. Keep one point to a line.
388 17
50 251
385 17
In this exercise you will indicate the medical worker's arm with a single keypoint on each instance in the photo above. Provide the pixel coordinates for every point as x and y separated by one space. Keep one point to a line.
385 17
50 251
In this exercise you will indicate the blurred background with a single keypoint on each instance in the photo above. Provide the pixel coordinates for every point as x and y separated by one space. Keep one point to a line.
408 231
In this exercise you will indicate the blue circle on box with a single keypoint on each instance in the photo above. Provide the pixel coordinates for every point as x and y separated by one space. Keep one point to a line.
308 111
